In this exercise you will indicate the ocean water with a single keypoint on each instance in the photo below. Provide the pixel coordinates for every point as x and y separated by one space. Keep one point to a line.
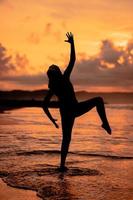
28 130
29 143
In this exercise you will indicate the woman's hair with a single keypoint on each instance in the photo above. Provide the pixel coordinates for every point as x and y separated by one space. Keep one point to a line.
53 70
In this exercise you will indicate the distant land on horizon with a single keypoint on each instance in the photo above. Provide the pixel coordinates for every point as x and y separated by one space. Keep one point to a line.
109 97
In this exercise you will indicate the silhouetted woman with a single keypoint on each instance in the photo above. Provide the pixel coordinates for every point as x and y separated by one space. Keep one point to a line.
70 108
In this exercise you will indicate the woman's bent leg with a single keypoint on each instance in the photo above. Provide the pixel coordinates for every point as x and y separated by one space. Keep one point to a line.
97 102
67 124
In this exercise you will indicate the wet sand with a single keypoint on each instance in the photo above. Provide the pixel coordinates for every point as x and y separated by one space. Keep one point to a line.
96 179
10 193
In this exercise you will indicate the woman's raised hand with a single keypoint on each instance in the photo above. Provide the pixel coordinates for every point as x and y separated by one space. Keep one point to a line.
70 37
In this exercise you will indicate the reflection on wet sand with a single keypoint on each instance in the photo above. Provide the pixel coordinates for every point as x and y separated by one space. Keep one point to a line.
59 189
50 183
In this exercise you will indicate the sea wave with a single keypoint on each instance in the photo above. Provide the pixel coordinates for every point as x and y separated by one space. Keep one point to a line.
41 152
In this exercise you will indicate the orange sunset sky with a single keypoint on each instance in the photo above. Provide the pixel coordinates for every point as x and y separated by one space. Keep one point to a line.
32 34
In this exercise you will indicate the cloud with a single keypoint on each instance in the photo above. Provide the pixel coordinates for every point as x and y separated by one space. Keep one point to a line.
21 60
112 67
27 79
10 65
109 53
15 71
5 61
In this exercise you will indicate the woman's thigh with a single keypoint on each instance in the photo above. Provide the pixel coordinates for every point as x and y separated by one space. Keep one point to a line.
67 120
85 106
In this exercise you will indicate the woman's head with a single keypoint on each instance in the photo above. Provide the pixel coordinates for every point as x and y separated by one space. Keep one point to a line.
54 72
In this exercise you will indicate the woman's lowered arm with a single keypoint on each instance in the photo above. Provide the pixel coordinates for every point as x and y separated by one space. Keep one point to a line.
70 66
45 107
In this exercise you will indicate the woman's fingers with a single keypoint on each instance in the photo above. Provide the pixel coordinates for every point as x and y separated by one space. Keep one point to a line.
56 125
69 34
70 37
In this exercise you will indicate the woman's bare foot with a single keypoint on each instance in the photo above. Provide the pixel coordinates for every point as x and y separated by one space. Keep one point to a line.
107 128
62 169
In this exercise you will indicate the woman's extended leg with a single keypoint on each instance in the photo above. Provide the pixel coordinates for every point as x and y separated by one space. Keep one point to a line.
67 124
85 106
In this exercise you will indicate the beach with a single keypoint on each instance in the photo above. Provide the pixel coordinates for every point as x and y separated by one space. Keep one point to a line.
9 193
99 165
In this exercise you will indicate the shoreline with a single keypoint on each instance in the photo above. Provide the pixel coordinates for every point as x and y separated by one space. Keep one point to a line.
11 193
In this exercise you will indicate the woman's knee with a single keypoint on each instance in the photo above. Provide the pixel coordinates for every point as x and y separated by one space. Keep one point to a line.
99 100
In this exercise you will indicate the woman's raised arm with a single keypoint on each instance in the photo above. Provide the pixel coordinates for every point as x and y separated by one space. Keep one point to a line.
70 66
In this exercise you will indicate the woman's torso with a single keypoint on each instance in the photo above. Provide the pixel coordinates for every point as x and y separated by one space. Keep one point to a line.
64 90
